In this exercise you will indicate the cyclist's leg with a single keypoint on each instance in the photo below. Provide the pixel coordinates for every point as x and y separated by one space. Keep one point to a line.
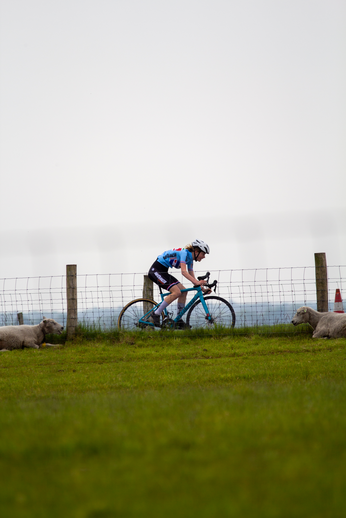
159 274
175 293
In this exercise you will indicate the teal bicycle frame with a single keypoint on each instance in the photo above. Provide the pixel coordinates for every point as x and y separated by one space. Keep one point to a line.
199 295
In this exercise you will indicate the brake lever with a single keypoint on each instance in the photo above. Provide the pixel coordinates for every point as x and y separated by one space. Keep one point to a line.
213 285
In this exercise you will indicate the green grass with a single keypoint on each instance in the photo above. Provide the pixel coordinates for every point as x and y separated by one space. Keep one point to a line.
175 424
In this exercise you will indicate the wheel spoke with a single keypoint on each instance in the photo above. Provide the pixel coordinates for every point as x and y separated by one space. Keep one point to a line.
130 314
221 313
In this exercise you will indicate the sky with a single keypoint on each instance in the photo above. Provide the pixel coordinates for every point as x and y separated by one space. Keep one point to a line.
128 127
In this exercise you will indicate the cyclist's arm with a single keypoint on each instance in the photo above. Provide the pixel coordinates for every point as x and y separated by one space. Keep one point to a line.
190 275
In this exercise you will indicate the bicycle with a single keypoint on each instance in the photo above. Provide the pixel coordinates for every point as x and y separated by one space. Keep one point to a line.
202 311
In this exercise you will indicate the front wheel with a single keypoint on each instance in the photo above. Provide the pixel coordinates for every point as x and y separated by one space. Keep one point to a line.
130 314
221 313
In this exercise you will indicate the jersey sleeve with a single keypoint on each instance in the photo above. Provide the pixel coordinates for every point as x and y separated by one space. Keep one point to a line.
183 256
187 259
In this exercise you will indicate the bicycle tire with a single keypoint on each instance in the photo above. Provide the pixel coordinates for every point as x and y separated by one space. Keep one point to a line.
129 316
221 311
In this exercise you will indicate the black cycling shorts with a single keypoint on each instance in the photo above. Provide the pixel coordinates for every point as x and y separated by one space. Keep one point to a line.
159 274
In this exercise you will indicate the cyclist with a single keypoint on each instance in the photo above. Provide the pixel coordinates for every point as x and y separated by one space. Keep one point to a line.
177 258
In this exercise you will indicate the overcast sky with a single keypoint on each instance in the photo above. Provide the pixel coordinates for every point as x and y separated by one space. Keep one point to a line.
129 127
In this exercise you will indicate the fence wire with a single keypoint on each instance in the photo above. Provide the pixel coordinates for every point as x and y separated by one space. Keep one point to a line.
264 296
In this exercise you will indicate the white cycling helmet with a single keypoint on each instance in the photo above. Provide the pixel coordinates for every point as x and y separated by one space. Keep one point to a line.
201 245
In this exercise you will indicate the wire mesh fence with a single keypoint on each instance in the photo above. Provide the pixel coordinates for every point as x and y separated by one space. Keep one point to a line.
265 296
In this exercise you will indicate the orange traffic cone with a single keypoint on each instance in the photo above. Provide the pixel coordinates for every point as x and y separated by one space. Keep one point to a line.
338 306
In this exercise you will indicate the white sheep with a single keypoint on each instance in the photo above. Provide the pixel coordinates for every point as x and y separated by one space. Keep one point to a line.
18 337
325 325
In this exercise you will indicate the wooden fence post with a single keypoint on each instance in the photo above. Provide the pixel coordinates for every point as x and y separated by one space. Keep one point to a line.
71 296
321 282
148 293
20 319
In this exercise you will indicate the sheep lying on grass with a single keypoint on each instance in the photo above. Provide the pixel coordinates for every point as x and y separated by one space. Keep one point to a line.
325 325
18 337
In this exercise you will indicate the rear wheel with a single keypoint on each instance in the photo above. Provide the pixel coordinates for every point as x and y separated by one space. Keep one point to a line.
221 313
130 314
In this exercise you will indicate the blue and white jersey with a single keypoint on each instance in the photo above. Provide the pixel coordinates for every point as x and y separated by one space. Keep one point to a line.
173 258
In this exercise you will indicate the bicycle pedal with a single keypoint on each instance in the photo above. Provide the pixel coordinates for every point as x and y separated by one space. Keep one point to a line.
167 323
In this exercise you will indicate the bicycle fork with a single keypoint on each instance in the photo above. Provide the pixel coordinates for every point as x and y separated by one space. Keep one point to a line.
207 314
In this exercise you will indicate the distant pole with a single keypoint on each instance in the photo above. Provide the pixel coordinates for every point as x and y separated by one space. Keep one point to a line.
71 295
321 282
20 319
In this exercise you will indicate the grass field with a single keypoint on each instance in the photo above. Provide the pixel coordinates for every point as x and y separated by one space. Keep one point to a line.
175 424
